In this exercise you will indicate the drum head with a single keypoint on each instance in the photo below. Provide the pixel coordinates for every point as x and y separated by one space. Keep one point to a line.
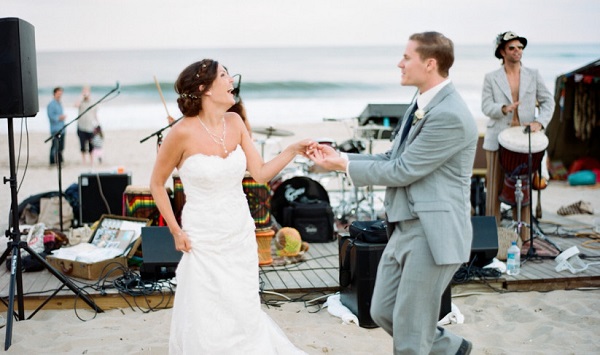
296 189
515 140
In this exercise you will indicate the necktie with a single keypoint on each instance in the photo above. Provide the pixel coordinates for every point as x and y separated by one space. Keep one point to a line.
408 123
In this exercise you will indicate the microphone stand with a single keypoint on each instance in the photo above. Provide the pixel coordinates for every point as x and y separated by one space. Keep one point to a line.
158 133
58 159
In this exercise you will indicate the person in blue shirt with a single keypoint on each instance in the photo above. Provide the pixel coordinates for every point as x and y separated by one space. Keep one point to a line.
56 117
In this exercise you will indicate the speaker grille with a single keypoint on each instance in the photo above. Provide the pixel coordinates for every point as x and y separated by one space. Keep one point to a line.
18 69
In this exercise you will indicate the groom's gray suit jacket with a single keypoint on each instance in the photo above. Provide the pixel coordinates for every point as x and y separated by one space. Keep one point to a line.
428 176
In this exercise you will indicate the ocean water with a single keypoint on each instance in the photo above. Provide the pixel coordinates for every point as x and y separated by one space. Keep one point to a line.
279 85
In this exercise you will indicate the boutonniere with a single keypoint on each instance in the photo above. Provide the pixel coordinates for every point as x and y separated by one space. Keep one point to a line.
419 114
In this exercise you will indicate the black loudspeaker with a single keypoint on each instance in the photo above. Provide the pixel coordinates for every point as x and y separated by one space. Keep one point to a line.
160 258
101 193
484 247
18 69
358 270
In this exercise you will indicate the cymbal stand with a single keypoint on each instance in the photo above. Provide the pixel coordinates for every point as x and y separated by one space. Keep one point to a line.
370 195
345 208
370 191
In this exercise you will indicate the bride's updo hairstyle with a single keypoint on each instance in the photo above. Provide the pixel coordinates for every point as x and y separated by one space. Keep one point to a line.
188 84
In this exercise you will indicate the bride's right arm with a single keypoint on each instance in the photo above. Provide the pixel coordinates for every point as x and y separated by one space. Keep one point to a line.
168 158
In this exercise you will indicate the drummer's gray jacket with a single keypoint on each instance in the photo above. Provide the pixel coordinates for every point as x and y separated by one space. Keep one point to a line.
496 93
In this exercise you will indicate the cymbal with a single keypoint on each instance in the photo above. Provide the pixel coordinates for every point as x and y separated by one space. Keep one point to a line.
272 131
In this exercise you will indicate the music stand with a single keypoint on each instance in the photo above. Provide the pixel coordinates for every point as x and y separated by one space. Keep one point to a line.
15 245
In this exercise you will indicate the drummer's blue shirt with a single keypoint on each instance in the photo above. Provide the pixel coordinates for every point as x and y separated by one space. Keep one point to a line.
55 110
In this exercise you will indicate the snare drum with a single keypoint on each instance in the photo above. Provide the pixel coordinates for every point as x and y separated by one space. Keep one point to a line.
352 146
514 160
259 201
138 202
327 141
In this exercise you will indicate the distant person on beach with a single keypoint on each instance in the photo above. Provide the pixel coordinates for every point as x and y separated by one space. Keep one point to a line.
510 97
56 117
217 304
427 173
86 125
98 144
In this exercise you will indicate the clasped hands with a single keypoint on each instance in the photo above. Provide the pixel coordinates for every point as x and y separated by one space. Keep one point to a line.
326 157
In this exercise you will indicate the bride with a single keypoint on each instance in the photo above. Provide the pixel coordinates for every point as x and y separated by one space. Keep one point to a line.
217 307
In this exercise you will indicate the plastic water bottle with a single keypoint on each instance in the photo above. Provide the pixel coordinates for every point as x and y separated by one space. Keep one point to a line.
513 259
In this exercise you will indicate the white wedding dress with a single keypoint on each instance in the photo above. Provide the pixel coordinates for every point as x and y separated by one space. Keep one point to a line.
217 307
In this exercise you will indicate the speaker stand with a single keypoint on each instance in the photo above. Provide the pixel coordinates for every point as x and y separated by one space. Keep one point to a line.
14 248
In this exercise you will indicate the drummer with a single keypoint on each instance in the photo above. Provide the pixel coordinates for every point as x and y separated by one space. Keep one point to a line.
510 97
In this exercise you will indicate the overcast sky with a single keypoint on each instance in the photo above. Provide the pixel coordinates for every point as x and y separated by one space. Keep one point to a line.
126 24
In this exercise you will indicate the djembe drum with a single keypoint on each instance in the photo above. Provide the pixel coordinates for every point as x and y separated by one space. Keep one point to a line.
139 202
264 237
259 201
514 159
178 197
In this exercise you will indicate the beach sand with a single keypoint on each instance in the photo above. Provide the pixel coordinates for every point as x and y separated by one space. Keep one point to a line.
557 322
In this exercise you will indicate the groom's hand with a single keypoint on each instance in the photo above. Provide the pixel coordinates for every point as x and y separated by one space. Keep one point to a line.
328 158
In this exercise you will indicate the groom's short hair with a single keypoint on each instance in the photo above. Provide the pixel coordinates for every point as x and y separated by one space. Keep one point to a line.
437 46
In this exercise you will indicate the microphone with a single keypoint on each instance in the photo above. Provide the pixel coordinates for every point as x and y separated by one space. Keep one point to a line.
236 89
527 129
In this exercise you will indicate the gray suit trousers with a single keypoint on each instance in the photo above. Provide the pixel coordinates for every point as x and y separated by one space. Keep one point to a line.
409 287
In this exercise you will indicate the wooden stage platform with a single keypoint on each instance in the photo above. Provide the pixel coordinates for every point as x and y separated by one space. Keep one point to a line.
317 275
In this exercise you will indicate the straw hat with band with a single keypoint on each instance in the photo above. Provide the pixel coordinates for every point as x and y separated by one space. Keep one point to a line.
506 37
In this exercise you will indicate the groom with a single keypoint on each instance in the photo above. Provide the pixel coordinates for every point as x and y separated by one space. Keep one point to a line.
427 174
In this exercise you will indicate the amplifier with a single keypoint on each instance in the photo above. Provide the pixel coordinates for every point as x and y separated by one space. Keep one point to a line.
101 193
484 246
160 258
358 269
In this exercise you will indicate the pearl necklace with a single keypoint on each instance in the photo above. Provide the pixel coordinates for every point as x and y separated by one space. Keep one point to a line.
216 138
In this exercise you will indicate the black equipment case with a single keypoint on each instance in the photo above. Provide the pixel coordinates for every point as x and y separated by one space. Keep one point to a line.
313 219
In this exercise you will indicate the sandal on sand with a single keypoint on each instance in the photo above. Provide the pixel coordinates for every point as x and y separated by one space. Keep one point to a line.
578 207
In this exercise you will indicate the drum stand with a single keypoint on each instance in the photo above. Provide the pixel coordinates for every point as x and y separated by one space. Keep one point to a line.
519 199
531 252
